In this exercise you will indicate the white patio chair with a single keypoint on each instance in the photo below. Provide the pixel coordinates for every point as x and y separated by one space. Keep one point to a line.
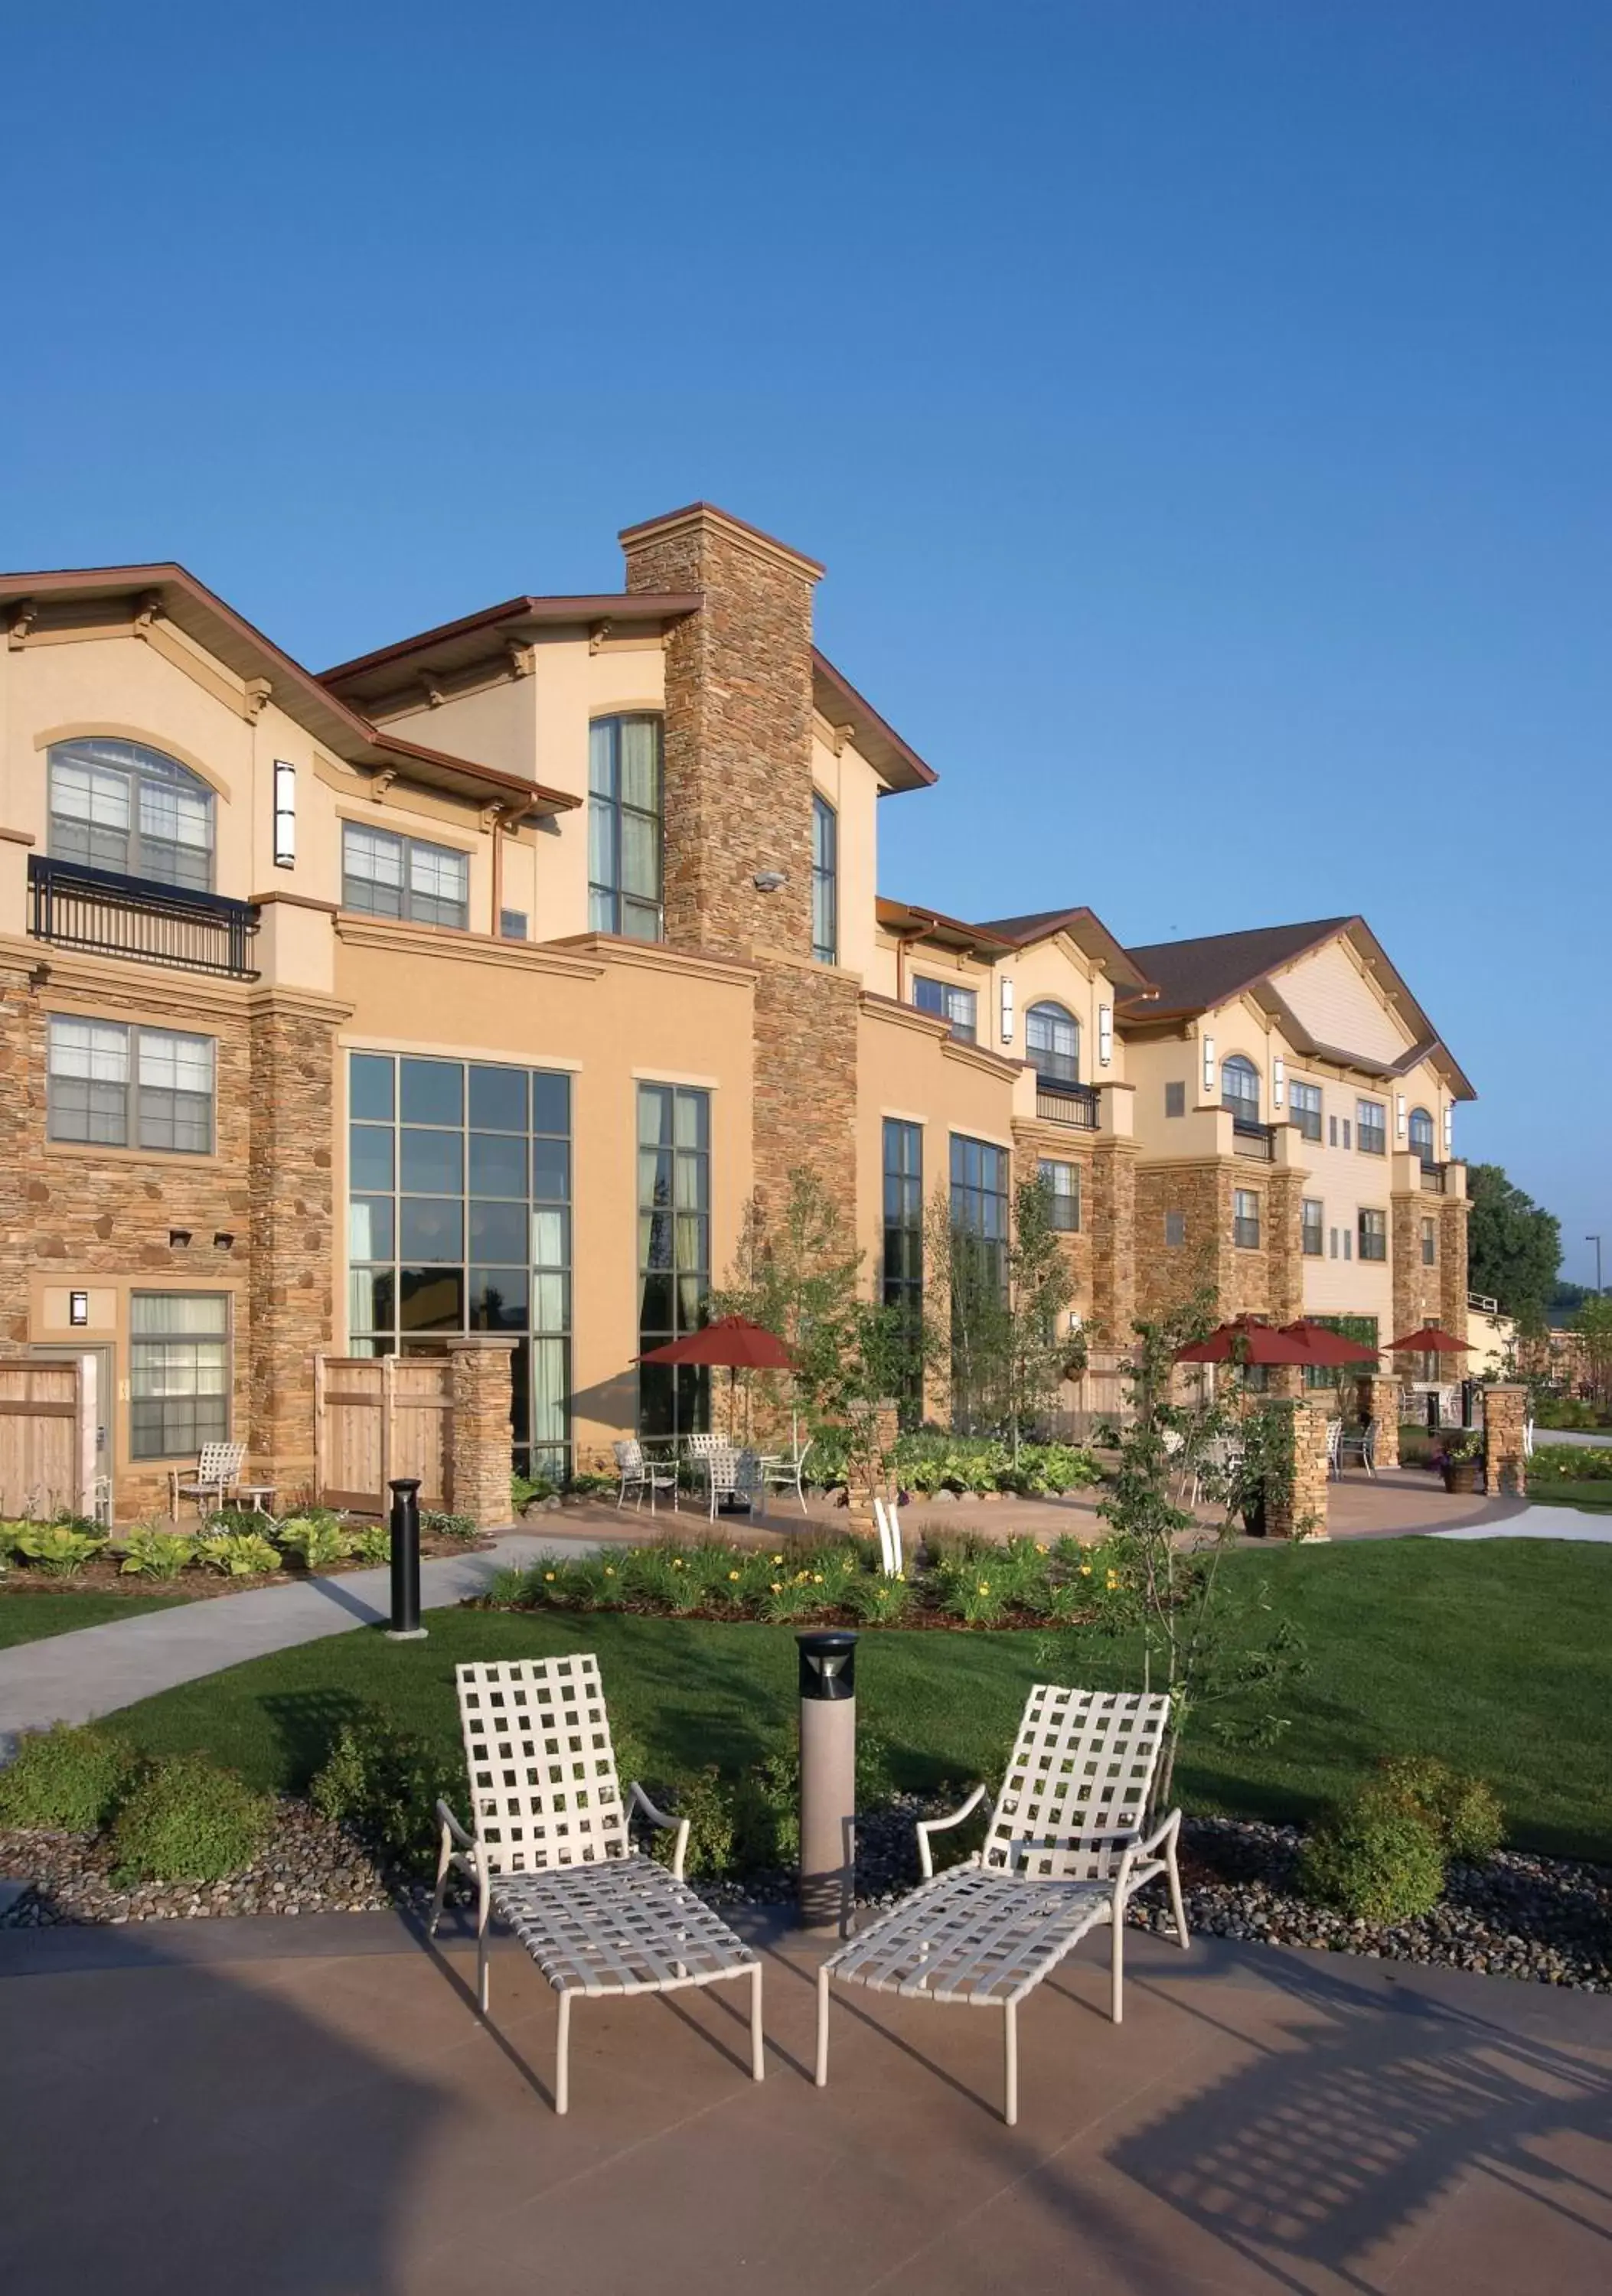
1361 1445
1335 1436
217 1472
640 1473
732 1474
1528 1439
551 1855
1063 1854
786 1472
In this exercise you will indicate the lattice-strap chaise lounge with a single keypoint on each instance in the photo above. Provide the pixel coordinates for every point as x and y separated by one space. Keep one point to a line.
1063 1853
551 1851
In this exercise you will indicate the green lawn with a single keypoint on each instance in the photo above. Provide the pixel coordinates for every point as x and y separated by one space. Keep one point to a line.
1596 1497
29 1618
1496 1655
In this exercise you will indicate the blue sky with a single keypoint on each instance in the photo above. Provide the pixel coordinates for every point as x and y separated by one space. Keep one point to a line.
1202 410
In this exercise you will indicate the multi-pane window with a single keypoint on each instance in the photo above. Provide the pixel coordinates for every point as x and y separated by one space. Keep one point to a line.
825 882
903 1272
624 827
1311 1218
459 1221
1371 1128
1373 1235
1304 1101
118 806
1421 1135
118 1086
957 1006
674 1252
1239 1088
1052 1044
1429 1243
1063 1185
178 1372
385 875
1245 1218
979 1260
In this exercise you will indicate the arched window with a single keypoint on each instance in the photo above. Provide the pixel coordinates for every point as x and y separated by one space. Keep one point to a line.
1421 1135
118 806
1239 1088
1052 1039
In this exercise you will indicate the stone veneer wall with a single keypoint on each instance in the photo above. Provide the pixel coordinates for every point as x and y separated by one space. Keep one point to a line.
293 1236
1505 1468
1113 1240
1453 1218
1423 1294
1266 1281
479 1467
1031 1142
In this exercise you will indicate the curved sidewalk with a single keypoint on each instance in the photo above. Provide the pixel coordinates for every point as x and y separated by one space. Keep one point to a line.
73 1677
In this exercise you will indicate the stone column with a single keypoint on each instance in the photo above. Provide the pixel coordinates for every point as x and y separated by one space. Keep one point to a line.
1304 1515
1379 1400
1453 1219
1505 1469
292 1223
481 1449
1113 1223
1284 1243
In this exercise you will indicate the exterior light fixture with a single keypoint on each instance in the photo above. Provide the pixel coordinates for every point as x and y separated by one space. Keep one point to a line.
1279 1082
1006 1008
769 880
223 1241
1399 1117
1105 1034
1449 1129
77 1307
828 1776
285 815
178 1238
1208 1068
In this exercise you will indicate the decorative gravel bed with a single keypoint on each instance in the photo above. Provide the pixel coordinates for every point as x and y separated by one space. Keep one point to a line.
1545 1920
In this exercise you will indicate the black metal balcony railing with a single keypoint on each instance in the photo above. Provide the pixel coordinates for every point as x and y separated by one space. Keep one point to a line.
1056 1103
1432 1178
1251 1139
132 917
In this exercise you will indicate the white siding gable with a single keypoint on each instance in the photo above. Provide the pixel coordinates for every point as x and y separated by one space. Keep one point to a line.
1340 1006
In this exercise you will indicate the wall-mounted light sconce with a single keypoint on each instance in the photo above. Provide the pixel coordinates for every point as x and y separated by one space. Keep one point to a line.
769 880
223 1241
77 1307
178 1238
285 815
1399 1117
1208 1068
1449 1129
1105 1035
1279 1082
1007 1021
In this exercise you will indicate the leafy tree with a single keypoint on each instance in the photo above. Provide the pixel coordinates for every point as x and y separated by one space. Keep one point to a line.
967 1317
795 1272
1039 1288
1593 1323
1513 1245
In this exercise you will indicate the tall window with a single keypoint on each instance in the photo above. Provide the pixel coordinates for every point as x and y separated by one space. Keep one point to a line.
1245 1218
1311 1228
1239 1088
1371 1128
178 1372
1052 1044
1429 1243
904 1276
825 882
127 1088
1421 1135
979 1265
624 827
674 1252
385 875
459 1220
1374 1236
1063 1185
1304 1100
959 1007
118 806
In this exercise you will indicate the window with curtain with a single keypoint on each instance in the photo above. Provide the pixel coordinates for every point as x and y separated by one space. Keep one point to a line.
903 1269
959 1007
1052 1044
1373 1235
1421 1135
1312 1217
825 882
1305 1103
1240 1090
118 806
386 876
1371 1127
1063 1185
1245 1218
625 827
674 1252
119 1087
178 1372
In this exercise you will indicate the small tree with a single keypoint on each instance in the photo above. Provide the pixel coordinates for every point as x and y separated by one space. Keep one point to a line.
1593 1325
967 1316
875 1349
795 1273
1040 1287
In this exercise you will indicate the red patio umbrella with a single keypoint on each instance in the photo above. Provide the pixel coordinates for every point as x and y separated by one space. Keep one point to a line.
1245 1340
1328 1349
733 1341
1430 1339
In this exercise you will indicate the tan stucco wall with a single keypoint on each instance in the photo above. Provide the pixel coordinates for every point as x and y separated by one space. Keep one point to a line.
851 787
906 1069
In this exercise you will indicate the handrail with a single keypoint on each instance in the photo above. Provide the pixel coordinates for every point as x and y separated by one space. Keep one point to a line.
75 906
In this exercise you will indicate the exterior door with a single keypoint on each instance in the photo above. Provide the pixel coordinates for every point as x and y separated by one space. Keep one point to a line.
103 1360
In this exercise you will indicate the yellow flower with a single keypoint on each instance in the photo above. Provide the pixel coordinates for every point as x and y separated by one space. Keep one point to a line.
816 1578
733 1574
610 1569
984 1588
1085 1571
677 1562
548 1574
777 1587
883 1594
1039 1548
778 1558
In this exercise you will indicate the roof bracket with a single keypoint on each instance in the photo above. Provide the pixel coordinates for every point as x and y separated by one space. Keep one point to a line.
254 695
598 632
840 735
146 610
23 615
380 783
522 659
431 685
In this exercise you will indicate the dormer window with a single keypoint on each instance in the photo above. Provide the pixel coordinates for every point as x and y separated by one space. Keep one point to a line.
1239 1088
120 807
1421 1135
625 827
1052 1044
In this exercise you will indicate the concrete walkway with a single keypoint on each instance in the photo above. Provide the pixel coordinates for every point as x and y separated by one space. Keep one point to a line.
1542 1523
309 2107
73 1677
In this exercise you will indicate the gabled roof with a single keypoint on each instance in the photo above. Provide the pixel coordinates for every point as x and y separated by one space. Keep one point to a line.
480 636
1089 933
834 697
71 594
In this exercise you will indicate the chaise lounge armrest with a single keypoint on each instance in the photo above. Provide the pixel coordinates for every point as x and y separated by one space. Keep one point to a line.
928 1825
639 1799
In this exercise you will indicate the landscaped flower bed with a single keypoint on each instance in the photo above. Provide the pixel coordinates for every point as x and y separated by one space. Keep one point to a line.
929 1460
234 1547
957 1580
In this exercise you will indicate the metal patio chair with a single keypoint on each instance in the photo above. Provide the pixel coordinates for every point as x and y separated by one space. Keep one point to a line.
732 1474
218 1470
640 1473
1335 1436
1063 1854
550 1852
786 1472
1361 1445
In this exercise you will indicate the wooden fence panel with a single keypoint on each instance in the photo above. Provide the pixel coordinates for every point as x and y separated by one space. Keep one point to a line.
1101 1397
422 1423
41 1460
377 1417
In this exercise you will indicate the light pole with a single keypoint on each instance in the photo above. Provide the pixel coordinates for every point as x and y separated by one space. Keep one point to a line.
1595 1239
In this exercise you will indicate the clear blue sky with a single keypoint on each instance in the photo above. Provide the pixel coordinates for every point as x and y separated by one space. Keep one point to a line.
1203 410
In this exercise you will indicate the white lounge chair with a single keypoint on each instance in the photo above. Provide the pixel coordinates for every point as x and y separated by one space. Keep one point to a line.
551 1853
640 1473
1063 1854
217 1472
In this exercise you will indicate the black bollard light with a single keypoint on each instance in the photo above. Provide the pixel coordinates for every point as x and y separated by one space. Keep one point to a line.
827 1778
405 1626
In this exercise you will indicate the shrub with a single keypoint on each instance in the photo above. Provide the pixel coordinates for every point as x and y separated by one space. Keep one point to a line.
1566 1463
383 1783
318 1543
238 1555
186 1820
1464 1812
1374 1857
57 1550
149 1553
372 1544
447 1526
974 1592
527 1490
708 1803
879 1601
239 1522
63 1777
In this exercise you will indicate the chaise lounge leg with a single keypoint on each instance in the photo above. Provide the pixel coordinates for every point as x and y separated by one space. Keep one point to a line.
1010 2052
1176 1906
484 1973
444 1859
562 2076
1116 2006
822 2072
758 2043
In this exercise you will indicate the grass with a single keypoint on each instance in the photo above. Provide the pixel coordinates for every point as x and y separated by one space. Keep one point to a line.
29 1618
1495 1654
1596 1497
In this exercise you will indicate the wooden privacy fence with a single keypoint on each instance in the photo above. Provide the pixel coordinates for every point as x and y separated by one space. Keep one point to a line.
48 1413
376 1418
1101 1394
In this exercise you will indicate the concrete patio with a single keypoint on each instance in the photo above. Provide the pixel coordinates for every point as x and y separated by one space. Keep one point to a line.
310 2106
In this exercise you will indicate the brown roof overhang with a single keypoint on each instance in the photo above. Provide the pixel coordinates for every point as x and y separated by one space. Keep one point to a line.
1090 935
835 700
911 924
454 646
230 639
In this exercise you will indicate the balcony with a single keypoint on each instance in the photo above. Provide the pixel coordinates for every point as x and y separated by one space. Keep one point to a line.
1432 1178
1058 1102
144 922
1256 1140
